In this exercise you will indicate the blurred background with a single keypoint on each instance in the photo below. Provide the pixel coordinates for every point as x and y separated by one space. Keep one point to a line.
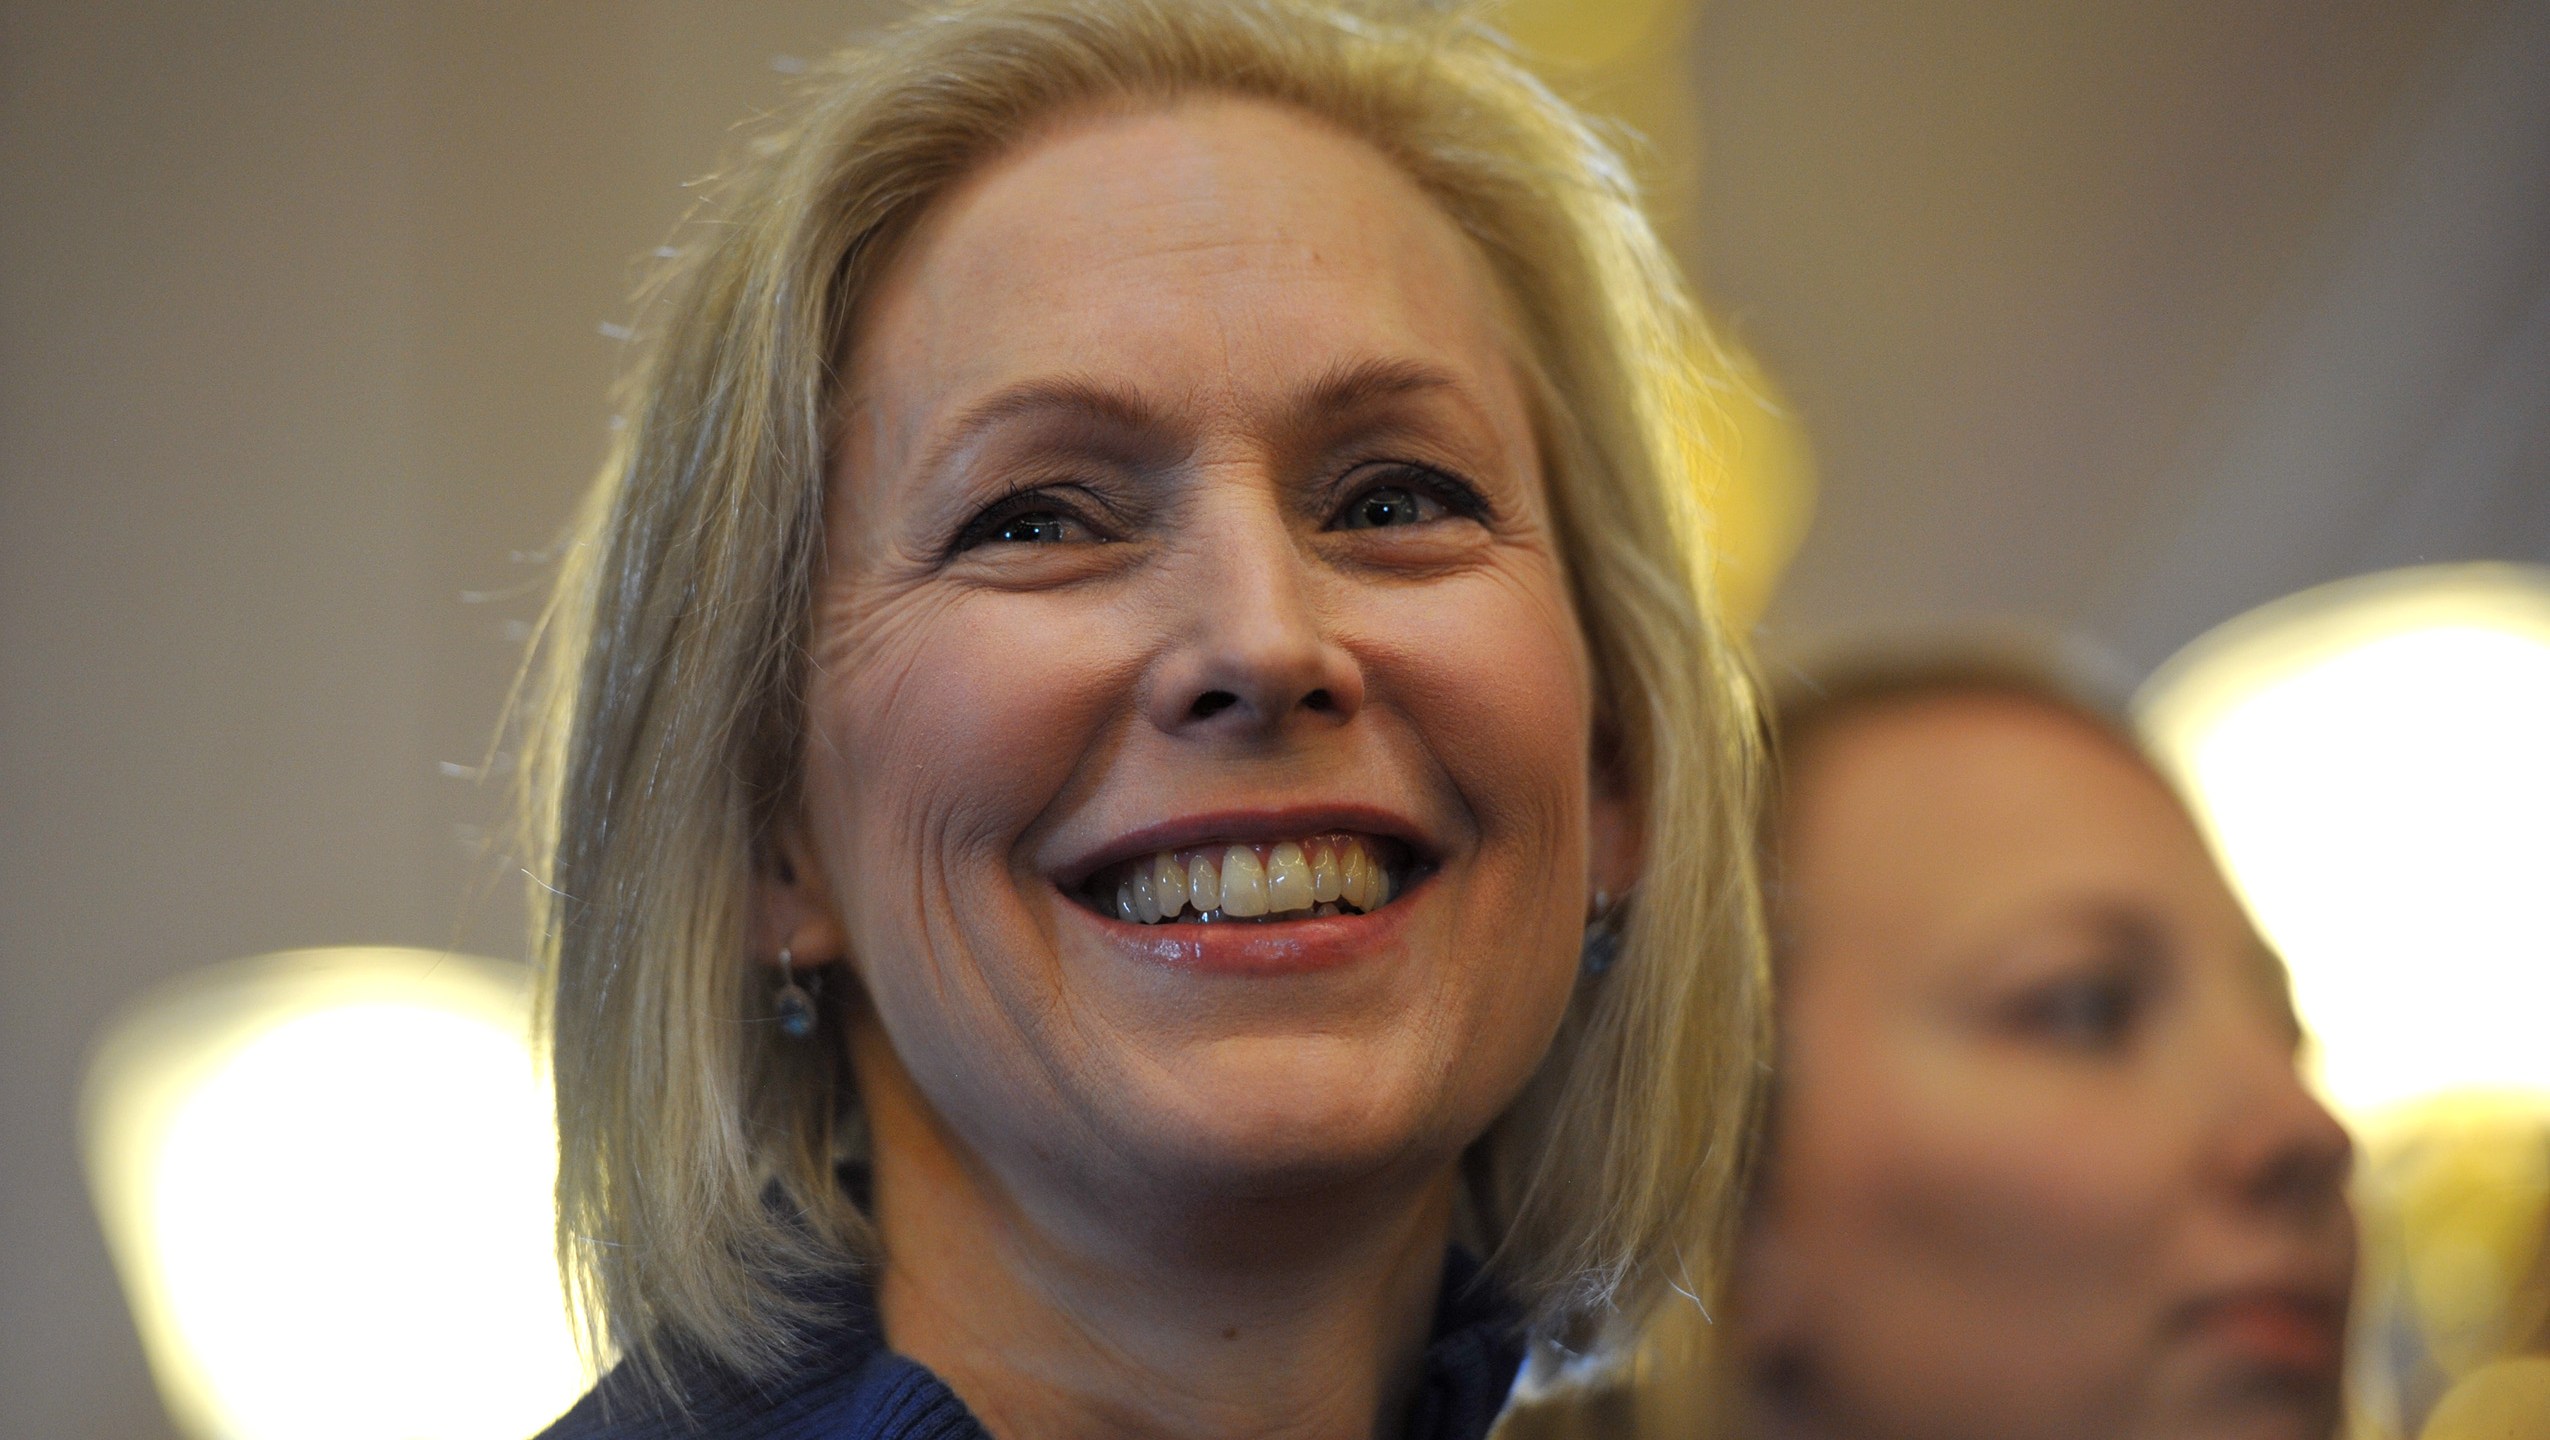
2109 320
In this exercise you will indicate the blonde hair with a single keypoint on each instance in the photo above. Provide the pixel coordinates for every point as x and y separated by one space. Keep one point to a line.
696 1189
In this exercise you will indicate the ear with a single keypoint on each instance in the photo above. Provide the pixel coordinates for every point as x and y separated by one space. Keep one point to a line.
1616 833
792 902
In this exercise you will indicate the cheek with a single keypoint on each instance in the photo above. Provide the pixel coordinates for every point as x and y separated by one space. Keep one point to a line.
1493 673
921 771
2039 1195
1964 1185
1491 680
1961 1246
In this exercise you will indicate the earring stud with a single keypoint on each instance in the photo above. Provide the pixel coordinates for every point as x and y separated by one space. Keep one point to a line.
1602 937
795 1008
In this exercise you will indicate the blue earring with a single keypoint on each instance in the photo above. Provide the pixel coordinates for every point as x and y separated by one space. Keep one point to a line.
796 1008
1602 937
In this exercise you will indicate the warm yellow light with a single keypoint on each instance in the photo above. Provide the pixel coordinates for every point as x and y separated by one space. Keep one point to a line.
1758 474
1574 35
325 1177
2373 761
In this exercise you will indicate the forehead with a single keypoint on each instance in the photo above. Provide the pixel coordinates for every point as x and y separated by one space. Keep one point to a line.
1214 244
1950 812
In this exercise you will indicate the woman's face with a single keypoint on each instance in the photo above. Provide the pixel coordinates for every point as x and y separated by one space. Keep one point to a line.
2042 1165
1187 517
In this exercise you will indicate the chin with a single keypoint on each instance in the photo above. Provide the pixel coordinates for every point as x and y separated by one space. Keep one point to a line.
2294 1417
1270 1117
2256 1405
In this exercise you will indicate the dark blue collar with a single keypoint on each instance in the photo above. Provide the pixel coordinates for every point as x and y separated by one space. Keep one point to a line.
856 1389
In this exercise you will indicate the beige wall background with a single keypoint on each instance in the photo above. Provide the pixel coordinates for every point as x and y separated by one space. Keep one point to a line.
302 364
299 360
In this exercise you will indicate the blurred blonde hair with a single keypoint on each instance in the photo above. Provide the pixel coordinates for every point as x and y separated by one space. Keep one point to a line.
696 1188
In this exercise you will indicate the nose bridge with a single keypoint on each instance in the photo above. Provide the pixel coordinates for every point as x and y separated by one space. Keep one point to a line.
1247 564
2278 1144
1246 645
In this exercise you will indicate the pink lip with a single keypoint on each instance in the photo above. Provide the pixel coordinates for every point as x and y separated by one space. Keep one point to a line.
1228 827
1290 947
2296 1331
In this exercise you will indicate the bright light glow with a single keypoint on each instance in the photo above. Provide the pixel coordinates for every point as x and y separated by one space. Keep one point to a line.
2372 759
1576 35
325 1176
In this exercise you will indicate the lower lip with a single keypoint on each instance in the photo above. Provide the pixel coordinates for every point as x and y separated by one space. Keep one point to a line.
1252 948
2287 1335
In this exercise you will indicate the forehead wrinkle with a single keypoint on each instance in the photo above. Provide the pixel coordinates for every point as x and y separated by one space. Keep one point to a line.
1183 206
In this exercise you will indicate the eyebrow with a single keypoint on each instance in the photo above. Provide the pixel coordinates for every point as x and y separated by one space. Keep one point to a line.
1354 383
1347 386
1064 396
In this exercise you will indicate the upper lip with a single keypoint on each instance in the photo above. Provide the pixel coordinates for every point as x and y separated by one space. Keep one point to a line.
1242 827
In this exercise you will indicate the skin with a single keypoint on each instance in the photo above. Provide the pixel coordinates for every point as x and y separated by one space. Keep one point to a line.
1119 1194
2042 1163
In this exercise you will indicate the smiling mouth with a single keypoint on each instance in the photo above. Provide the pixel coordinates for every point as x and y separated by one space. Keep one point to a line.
1261 883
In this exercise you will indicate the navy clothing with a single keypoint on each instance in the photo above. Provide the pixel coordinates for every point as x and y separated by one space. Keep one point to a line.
856 1389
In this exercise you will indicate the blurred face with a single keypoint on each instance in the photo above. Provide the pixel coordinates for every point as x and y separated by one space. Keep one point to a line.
2042 1164
1199 763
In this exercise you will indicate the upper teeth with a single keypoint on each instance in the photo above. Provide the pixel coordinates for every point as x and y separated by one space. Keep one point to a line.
1247 881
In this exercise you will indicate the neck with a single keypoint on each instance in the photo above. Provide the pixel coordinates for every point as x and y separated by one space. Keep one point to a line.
1300 1317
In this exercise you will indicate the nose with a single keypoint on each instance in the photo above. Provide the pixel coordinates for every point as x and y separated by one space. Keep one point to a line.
1249 655
2283 1151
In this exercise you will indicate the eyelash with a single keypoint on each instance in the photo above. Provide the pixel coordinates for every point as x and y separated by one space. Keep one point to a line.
2062 1011
1450 491
1454 494
2098 1003
1018 501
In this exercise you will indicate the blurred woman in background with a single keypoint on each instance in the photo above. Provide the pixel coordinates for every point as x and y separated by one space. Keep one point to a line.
2040 1166
2041 1162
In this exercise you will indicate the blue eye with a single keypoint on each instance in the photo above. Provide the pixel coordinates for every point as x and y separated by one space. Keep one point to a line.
2096 980
1412 496
1036 527
1033 517
2088 1013
1384 506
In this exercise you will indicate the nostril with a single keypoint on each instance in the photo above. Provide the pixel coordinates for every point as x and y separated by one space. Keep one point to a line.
1212 703
1319 700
